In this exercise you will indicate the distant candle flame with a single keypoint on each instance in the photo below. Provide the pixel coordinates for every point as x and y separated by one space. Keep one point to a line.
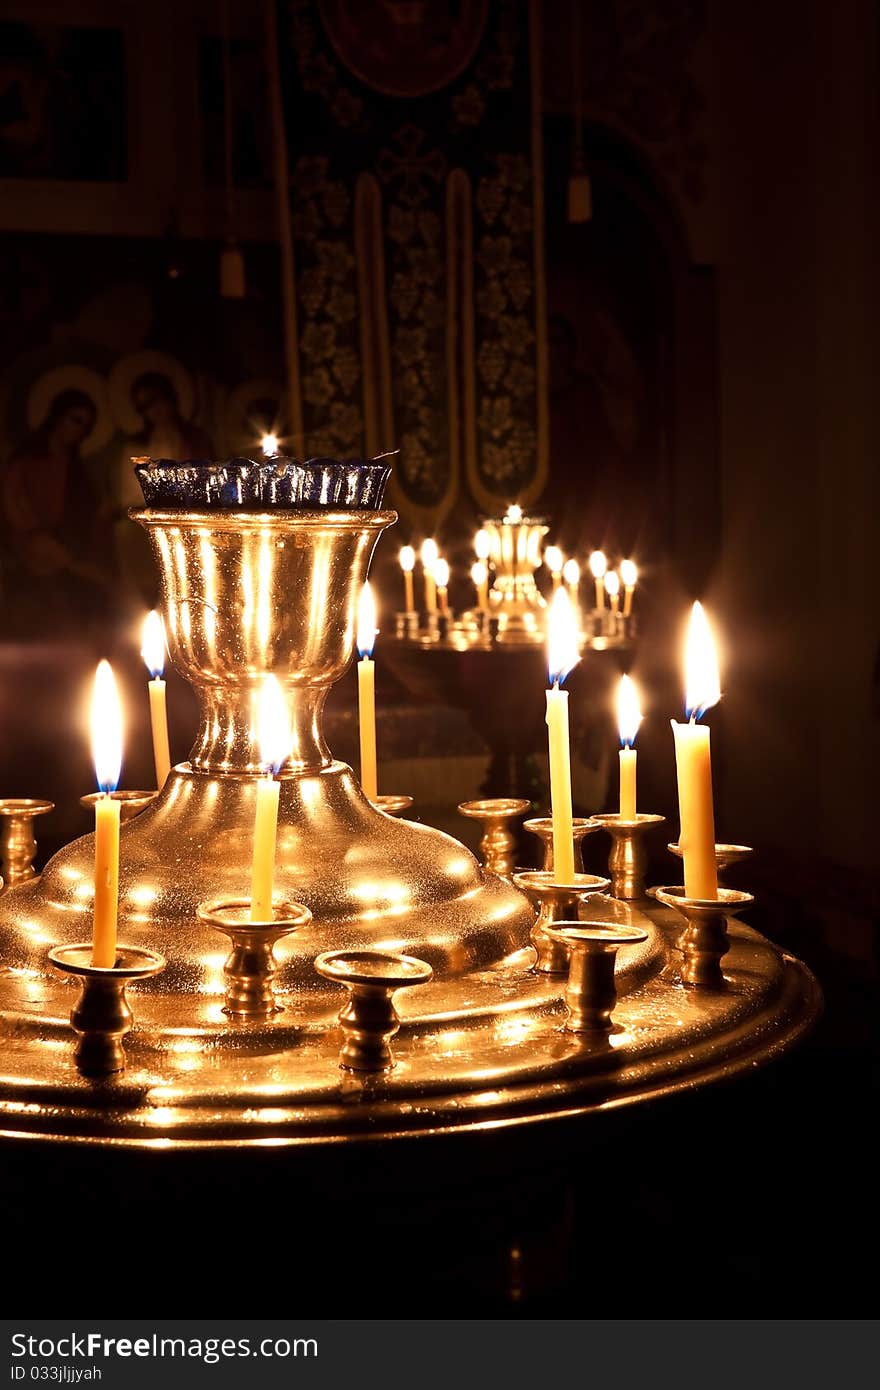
554 559
562 638
269 445
514 514
629 714
273 725
429 555
702 678
153 644
479 573
598 564
571 573
612 583
482 545
106 729
629 573
441 574
407 559
366 624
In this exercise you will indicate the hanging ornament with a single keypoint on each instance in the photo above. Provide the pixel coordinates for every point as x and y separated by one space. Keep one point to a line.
580 192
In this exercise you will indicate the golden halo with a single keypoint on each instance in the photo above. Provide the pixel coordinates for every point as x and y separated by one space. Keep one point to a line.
72 378
126 372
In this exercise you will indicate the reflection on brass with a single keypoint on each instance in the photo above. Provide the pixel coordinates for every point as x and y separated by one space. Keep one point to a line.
17 842
130 803
704 940
556 902
542 826
626 863
726 856
103 1016
391 804
516 602
369 1020
250 966
498 845
592 993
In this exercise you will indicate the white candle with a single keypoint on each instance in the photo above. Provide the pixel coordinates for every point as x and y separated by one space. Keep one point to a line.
571 573
429 556
693 757
441 579
554 560
629 717
274 740
366 637
628 574
563 656
407 564
107 755
598 566
153 653
612 589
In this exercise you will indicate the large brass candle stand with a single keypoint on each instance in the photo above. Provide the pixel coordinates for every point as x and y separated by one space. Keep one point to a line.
263 576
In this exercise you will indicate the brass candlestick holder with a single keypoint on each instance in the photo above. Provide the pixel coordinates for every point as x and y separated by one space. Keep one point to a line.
498 845
726 856
704 941
626 863
103 1015
18 844
391 804
250 967
592 993
542 827
369 1019
556 902
130 803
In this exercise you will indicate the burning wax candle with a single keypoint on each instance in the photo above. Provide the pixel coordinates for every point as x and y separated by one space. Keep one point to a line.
107 755
563 656
407 564
482 545
628 574
273 731
366 637
571 573
598 566
480 577
269 445
153 653
554 560
629 717
612 589
514 514
441 579
694 761
429 556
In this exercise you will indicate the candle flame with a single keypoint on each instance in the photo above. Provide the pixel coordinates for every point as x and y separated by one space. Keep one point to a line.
273 725
629 714
429 555
554 559
562 638
482 545
366 624
598 564
106 728
407 559
514 513
702 679
153 644
629 573
441 574
571 573
269 445
612 583
479 573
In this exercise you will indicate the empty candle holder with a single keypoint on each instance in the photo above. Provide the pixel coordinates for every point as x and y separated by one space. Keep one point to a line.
626 862
726 856
555 902
591 993
391 804
130 803
18 844
369 1019
704 941
542 827
498 844
251 966
103 1016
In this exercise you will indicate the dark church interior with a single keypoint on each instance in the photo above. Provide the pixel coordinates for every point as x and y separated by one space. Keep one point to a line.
606 265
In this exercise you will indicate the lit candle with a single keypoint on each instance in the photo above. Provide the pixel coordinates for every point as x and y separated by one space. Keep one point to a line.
514 514
554 560
694 761
562 658
598 566
429 555
407 564
629 717
441 579
273 730
612 589
153 652
480 577
107 755
482 545
269 445
571 573
628 574
366 637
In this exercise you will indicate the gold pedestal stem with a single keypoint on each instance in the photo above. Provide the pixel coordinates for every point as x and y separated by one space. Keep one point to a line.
627 860
555 902
369 1020
17 842
102 1017
250 967
498 845
704 941
592 993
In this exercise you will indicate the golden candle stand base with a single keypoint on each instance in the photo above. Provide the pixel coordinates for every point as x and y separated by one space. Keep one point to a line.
627 861
726 856
393 804
555 902
103 1016
17 843
704 941
369 1020
130 803
498 844
542 827
250 967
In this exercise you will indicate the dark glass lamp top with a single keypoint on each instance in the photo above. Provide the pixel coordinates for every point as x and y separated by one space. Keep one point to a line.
264 484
